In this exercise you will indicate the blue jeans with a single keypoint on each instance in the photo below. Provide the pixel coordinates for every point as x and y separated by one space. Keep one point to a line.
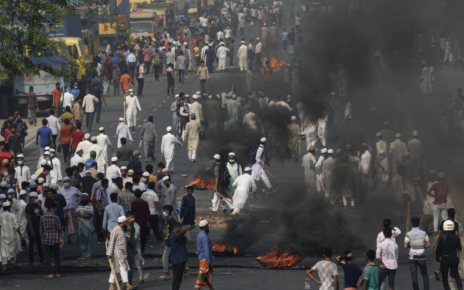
423 268
383 273
98 108
181 75
84 235
42 151
121 164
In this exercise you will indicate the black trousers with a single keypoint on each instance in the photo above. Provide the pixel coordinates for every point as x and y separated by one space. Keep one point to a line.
141 82
203 88
171 87
65 148
157 69
178 272
55 249
155 227
38 241
131 261
99 225
147 66
54 141
450 264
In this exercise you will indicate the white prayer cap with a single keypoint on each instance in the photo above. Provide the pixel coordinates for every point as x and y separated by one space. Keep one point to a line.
86 194
263 140
185 43
165 170
415 133
169 129
441 175
146 173
231 154
3 184
20 156
378 134
114 176
78 149
2 195
324 150
122 219
34 177
55 186
195 97
198 93
52 150
47 148
165 178
381 152
46 184
135 153
247 169
177 95
217 156
234 96
211 44
164 47
101 129
41 180
398 135
94 138
131 90
186 96
22 192
257 38
243 41
203 223
123 167
6 204
66 179
46 153
289 96
33 194
210 97
114 159
293 118
330 151
44 161
87 136
10 190
121 119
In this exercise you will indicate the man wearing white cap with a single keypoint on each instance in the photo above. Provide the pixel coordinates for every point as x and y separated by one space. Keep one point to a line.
10 232
104 141
365 172
21 215
123 132
397 152
44 155
117 251
415 151
22 172
85 146
113 170
293 130
196 108
222 55
150 137
259 169
205 257
99 158
55 173
77 158
233 111
243 56
168 144
320 177
132 104
192 134
310 131
235 170
328 169
243 185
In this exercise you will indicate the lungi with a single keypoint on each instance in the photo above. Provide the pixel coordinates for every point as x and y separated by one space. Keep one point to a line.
205 275
71 225
32 116
149 148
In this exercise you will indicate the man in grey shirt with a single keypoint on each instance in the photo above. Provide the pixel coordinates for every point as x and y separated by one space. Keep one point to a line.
170 56
181 67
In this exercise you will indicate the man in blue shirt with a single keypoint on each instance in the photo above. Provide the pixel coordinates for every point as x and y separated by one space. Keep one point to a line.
284 39
75 92
89 162
178 254
417 241
205 257
46 138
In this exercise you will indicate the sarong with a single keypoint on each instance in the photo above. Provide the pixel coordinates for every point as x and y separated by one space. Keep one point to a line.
149 148
32 116
205 272
71 225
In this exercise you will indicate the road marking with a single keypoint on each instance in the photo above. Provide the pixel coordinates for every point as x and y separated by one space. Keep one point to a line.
164 101
139 126
155 110
27 145
159 106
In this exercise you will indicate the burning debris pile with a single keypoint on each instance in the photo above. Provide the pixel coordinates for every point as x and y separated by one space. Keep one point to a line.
278 259
218 247
275 65
201 183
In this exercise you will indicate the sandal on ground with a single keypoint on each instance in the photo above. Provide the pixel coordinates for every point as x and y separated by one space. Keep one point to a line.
164 277
48 277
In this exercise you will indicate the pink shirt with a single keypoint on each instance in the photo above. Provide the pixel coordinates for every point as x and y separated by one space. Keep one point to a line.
147 55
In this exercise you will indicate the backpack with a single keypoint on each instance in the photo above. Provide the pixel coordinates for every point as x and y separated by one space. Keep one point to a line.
157 59
252 154
224 175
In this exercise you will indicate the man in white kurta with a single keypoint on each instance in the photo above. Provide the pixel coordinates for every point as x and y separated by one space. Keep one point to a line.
113 170
320 177
132 104
243 185
56 174
168 145
101 161
76 159
427 79
104 141
235 170
328 169
22 172
243 57
250 121
85 145
259 171
192 135
322 129
9 234
196 108
123 132
21 215
310 130
222 55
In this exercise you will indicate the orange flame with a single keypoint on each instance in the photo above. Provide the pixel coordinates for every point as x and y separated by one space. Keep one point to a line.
222 248
202 183
277 259
275 65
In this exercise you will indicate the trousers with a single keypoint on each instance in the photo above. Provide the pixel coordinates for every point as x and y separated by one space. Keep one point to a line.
439 209
413 264
89 119
265 179
122 272
84 236
383 273
141 82
155 227
216 201
192 154
202 86
166 254
55 249
98 108
171 88
157 69
178 272
131 261
99 225
38 241
450 264
12 260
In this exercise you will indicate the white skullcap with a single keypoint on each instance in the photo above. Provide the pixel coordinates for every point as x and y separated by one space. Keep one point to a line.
324 150
381 152
101 129
93 138
114 176
198 93
186 96
43 161
415 133
378 134
210 97
78 149
165 178
247 169
169 129
231 154
234 96
86 194
3 184
46 184
122 219
203 223
41 180
211 44
20 156
33 194
263 140
52 150
257 38
2 195
217 156
146 173
165 170
114 159
10 190
34 177
243 41
123 167
22 192
87 136
185 43
66 179
47 148
441 175
398 135
131 90
293 118
6 204
195 97
121 119
177 95
330 151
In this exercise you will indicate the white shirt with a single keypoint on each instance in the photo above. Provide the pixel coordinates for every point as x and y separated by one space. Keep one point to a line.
54 124
228 33
112 170
395 232
388 252
258 47
131 58
297 20
203 21
319 165
68 100
141 186
89 103
365 162
151 197
76 160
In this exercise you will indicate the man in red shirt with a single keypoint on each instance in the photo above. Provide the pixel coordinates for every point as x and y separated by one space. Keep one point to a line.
57 98
5 155
440 192
76 137
142 216
147 58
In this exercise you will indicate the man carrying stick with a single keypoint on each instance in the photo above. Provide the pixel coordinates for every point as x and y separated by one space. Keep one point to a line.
259 169
117 249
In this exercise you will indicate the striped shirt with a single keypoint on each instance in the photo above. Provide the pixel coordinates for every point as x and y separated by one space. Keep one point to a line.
416 239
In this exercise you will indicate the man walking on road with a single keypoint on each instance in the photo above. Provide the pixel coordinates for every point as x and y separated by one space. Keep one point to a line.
417 241
205 258
168 144
89 107
150 137
204 76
